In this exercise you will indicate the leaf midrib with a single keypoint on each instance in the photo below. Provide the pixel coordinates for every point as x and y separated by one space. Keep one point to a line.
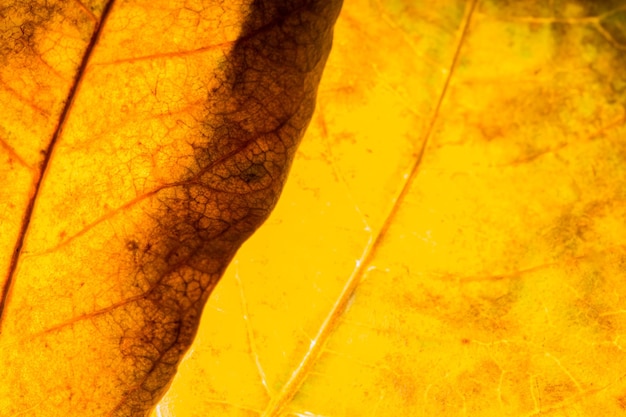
28 213
291 387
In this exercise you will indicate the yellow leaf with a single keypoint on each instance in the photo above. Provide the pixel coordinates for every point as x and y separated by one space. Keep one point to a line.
142 142
450 241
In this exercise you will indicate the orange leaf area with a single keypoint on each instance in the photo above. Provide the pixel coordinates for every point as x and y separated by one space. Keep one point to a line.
141 142
450 241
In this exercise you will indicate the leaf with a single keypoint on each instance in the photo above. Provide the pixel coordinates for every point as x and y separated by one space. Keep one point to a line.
142 143
450 240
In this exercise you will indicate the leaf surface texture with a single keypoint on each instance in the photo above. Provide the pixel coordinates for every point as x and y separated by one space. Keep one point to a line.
450 241
141 142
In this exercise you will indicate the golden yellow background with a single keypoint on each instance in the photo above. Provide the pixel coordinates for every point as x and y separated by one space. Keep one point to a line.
451 239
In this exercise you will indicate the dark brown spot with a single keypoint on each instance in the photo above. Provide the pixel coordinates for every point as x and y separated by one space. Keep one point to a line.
253 174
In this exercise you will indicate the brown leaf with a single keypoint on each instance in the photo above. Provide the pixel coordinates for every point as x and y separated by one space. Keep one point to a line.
142 144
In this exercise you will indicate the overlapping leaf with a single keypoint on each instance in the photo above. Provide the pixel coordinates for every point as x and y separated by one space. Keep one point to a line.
142 143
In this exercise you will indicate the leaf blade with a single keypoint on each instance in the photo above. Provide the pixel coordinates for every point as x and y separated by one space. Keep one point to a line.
474 302
135 222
